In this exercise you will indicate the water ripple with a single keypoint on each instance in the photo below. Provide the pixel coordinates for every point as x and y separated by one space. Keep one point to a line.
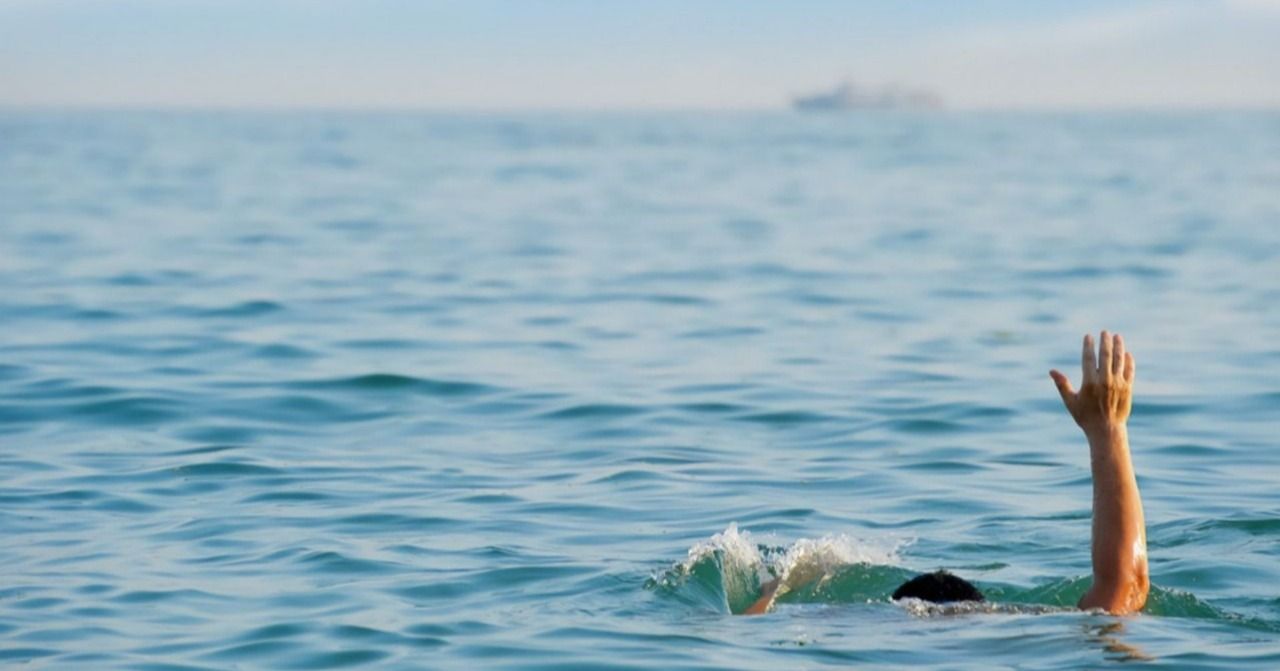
388 382
400 390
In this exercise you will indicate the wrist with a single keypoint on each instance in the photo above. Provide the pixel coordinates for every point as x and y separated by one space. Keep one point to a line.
1107 434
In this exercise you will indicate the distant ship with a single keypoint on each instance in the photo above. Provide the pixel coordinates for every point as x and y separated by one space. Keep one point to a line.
847 96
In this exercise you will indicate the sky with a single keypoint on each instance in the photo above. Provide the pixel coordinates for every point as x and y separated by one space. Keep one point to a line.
650 54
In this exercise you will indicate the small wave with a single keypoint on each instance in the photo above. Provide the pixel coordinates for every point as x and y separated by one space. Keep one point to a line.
253 651
371 523
215 434
378 382
379 343
786 418
594 411
203 449
944 466
274 631
287 497
127 411
337 659
73 499
631 475
297 409
1148 408
336 562
152 596
721 333
223 469
24 655
924 426
65 389
281 351
711 407
1062 595
129 280
714 388
655 298
245 309
1254 526
1189 450
94 314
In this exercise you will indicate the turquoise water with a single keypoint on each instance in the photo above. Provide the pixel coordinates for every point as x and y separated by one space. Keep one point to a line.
555 391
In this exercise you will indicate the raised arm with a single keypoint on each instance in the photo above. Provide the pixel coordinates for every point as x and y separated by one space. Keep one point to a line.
1101 408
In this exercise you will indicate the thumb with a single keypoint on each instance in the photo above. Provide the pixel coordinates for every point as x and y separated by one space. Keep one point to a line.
1064 387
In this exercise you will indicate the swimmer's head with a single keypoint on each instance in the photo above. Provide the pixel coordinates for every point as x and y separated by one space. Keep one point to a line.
938 587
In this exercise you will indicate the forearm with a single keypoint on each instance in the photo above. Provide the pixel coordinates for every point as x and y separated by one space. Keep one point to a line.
769 592
1119 550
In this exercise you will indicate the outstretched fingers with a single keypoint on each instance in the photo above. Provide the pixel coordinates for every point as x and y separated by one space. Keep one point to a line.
1118 358
1088 362
1104 357
1129 367
1064 387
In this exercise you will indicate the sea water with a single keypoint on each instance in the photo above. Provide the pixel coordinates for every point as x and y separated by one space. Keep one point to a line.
558 391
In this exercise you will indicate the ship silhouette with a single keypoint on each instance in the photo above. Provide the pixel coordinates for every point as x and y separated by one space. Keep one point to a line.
849 96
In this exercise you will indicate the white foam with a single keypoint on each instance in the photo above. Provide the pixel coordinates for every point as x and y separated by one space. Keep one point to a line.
806 559
920 608
736 548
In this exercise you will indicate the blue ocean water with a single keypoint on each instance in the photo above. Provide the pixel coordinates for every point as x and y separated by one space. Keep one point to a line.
550 391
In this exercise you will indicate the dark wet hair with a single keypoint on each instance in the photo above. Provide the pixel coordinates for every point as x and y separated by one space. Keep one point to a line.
938 587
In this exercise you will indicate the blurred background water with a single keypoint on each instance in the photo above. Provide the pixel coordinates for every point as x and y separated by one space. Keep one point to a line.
312 390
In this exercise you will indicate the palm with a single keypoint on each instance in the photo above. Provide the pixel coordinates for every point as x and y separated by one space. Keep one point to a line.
1106 389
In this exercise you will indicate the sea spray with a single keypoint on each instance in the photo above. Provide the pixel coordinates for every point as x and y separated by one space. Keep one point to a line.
723 572
726 571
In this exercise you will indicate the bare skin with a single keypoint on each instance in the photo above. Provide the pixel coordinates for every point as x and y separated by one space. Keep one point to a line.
1101 409
770 591
768 594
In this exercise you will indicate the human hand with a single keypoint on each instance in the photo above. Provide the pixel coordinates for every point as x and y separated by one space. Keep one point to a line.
1106 392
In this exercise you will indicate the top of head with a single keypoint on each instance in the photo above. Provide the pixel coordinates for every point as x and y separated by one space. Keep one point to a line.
938 587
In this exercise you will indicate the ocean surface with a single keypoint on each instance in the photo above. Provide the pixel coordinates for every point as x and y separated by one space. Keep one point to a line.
555 391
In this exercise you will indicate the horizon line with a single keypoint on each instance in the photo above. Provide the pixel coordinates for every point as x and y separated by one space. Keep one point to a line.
622 109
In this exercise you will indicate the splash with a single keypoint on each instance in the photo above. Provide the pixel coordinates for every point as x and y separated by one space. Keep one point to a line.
723 573
726 571
822 558
732 546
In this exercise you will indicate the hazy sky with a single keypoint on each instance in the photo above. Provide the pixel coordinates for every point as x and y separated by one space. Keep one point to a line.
643 53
